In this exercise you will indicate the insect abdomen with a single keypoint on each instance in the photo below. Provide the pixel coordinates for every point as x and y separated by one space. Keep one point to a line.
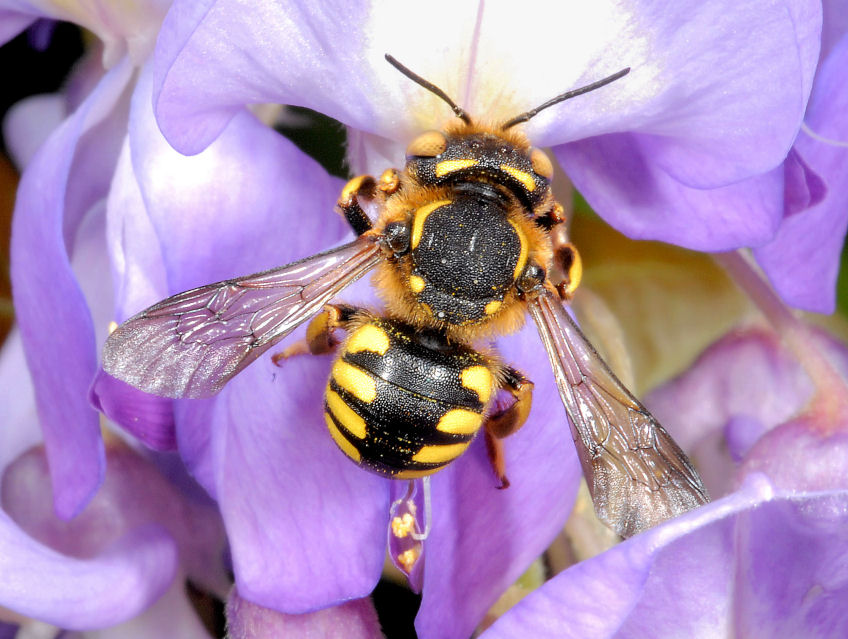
403 404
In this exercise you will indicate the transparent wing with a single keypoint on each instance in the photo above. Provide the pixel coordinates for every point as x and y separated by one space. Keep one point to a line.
637 475
191 344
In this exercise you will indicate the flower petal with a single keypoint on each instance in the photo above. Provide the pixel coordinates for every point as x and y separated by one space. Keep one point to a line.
834 24
745 381
58 187
249 202
747 372
734 399
803 187
172 615
13 22
122 28
252 201
805 536
106 589
484 538
688 59
621 179
134 494
808 453
146 417
803 260
136 257
20 424
29 122
355 619
708 573
307 526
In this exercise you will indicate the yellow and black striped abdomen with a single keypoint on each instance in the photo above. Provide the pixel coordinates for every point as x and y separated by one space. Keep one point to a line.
405 404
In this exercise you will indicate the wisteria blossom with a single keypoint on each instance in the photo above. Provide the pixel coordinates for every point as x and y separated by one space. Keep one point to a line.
690 147
119 567
768 557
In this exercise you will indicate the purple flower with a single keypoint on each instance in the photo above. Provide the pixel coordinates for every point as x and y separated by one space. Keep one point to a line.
63 188
121 564
351 620
760 562
802 261
767 557
715 96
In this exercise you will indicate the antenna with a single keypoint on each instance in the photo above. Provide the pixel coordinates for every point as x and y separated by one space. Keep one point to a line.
432 88
564 96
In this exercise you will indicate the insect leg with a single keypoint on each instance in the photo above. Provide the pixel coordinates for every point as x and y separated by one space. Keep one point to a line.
320 333
552 217
567 262
567 268
507 421
366 187
494 450
389 182
361 186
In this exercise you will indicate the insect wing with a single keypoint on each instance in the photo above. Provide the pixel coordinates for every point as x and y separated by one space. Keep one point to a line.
637 475
192 343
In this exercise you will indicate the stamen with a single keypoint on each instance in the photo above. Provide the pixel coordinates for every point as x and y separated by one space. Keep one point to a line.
820 138
408 558
405 538
402 526
428 514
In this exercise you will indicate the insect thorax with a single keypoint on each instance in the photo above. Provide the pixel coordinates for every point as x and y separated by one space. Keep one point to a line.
465 254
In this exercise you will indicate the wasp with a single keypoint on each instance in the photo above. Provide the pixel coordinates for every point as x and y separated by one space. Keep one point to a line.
462 250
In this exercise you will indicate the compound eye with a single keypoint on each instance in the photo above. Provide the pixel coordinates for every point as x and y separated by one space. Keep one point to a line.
427 145
541 163
531 278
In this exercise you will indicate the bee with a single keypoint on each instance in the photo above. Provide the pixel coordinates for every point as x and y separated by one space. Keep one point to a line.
462 250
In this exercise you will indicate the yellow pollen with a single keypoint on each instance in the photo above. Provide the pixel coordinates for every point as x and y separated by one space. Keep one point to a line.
112 326
402 526
408 558
492 307
368 338
449 166
525 178
354 381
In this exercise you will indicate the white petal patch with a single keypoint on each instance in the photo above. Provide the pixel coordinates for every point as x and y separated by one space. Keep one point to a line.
494 59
